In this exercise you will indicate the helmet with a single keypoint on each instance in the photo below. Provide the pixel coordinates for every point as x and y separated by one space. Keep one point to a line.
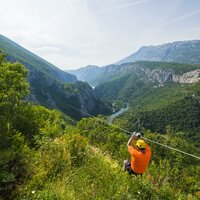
141 144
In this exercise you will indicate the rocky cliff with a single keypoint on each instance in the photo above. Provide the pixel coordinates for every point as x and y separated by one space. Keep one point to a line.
188 77
163 76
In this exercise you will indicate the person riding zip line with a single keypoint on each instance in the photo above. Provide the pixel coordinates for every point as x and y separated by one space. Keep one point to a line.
140 155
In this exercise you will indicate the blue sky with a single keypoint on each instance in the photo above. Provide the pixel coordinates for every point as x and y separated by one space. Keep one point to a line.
76 33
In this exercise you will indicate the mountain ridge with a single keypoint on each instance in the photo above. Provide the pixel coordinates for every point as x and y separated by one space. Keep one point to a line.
14 52
111 72
170 52
52 87
86 72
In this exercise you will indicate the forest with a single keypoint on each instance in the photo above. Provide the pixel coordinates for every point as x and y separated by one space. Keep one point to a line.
44 154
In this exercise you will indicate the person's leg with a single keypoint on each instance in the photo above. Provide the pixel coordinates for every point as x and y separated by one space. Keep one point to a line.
124 165
127 166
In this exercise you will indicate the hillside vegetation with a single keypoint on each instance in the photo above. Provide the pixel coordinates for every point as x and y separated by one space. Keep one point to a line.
52 87
155 99
44 154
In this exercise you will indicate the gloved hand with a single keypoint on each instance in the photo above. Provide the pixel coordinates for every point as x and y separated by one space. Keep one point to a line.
136 135
133 134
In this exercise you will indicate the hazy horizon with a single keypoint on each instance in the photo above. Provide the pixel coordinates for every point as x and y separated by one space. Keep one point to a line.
74 34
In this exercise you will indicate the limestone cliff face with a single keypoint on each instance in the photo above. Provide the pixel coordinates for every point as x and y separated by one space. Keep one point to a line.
158 75
163 76
189 77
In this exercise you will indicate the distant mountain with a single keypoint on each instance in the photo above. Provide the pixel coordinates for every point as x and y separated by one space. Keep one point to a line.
53 87
118 79
94 75
98 75
177 52
88 73
181 52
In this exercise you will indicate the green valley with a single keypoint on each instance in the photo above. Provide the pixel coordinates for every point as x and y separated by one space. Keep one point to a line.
156 101
47 155
53 152
100 100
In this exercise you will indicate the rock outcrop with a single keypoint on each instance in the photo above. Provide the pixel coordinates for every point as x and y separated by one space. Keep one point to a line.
163 76
188 77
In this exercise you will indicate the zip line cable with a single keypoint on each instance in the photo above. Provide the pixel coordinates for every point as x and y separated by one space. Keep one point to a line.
130 133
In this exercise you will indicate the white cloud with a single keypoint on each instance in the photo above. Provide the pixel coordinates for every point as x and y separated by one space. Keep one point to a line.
72 33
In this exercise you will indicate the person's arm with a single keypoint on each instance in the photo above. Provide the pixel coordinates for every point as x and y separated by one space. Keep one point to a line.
131 149
130 141
133 137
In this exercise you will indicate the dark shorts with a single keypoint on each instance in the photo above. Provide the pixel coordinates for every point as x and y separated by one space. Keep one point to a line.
127 167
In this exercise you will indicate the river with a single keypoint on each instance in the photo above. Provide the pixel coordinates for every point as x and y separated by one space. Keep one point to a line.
113 116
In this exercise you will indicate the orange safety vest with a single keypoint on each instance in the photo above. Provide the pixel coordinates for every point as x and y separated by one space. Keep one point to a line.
139 160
